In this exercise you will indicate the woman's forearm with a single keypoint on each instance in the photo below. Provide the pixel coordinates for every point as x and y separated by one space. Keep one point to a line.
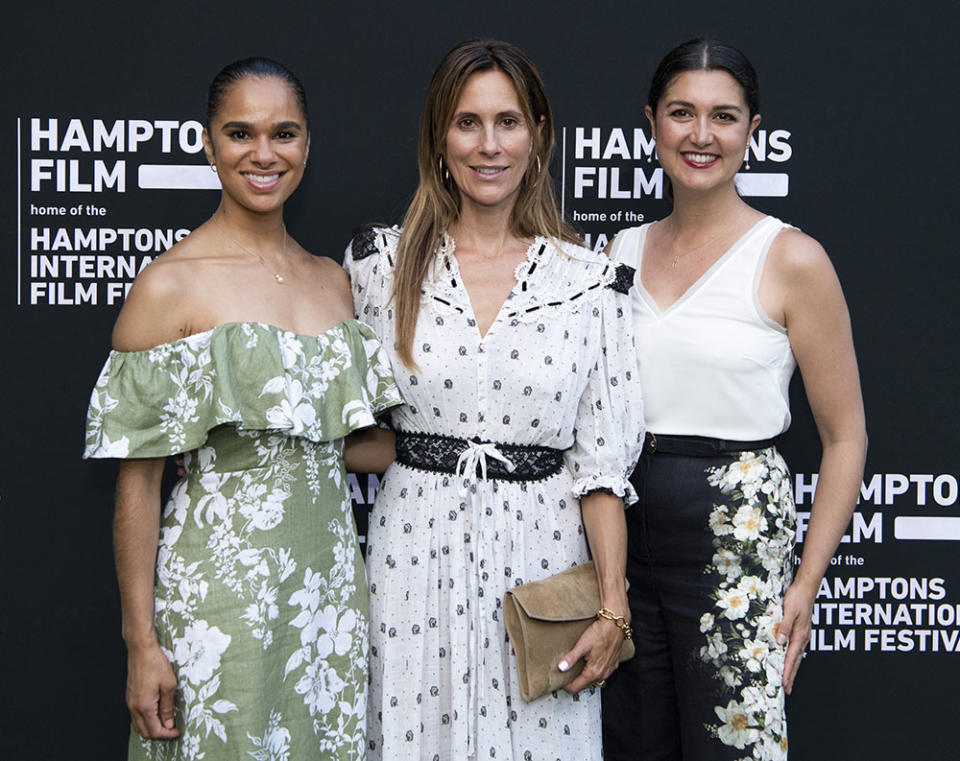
370 450
606 529
136 530
838 487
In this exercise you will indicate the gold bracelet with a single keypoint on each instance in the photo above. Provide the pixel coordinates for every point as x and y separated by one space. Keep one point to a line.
620 621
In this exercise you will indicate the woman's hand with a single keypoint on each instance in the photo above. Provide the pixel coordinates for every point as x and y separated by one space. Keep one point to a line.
795 629
151 686
600 646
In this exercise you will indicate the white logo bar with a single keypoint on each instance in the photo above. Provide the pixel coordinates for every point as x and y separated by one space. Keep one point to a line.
763 184
177 177
926 527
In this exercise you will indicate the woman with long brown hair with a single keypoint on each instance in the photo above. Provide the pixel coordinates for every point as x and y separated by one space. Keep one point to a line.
515 359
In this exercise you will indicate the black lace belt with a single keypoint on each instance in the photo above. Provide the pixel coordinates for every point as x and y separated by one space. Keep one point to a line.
472 458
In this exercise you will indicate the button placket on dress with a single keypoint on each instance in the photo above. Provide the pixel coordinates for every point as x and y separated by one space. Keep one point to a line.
475 485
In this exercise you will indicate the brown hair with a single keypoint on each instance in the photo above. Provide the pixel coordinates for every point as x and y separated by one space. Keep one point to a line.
437 201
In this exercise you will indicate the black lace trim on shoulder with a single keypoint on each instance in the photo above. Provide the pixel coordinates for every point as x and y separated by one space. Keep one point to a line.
364 242
371 239
623 278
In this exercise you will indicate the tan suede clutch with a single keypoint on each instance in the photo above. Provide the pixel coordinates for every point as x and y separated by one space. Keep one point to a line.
545 619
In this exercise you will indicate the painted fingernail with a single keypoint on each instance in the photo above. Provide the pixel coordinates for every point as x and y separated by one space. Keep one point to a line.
563 666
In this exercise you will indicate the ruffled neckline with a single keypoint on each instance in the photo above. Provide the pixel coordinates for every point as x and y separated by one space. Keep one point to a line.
447 267
255 376
567 281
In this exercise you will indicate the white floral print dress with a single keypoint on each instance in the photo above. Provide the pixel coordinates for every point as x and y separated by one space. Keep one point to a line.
261 602
556 369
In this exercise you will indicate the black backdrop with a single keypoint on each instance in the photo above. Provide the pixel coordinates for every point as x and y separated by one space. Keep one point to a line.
863 103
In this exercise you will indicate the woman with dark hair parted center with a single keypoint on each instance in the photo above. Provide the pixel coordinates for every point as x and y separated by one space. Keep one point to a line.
522 420
244 599
727 303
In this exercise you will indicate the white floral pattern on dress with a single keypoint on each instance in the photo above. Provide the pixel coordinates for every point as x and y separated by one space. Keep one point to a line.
753 554
274 745
257 562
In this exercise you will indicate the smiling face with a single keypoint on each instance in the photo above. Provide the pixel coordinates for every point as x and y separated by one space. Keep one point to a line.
258 141
489 141
702 127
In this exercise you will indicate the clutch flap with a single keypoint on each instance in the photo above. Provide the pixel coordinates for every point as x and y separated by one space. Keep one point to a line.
571 595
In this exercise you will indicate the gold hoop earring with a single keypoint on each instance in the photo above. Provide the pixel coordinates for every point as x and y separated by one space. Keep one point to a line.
538 164
444 172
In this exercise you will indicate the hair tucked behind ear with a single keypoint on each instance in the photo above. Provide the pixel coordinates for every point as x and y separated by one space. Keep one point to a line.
436 203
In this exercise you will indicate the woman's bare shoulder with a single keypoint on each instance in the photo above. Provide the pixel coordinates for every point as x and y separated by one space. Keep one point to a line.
795 254
803 280
158 307
332 271
336 282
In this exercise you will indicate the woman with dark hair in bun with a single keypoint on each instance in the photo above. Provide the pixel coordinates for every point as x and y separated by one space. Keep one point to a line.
727 302
244 600
520 426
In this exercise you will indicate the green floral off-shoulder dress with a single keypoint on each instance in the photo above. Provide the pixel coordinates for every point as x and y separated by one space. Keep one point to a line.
261 600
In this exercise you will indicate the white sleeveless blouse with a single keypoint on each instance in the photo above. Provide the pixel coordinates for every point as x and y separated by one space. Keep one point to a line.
712 363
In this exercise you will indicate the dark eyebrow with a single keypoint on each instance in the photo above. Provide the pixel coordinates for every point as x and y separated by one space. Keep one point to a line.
246 125
688 104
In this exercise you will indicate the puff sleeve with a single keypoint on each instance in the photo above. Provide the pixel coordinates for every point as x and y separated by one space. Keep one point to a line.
368 261
609 423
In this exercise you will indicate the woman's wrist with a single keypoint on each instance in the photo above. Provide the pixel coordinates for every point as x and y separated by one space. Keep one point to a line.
806 584
615 600
136 638
620 621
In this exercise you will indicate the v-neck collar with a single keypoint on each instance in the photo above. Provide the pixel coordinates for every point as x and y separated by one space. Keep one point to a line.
448 278
699 282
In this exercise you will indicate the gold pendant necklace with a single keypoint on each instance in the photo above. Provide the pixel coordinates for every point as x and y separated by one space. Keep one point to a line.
276 275
678 257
